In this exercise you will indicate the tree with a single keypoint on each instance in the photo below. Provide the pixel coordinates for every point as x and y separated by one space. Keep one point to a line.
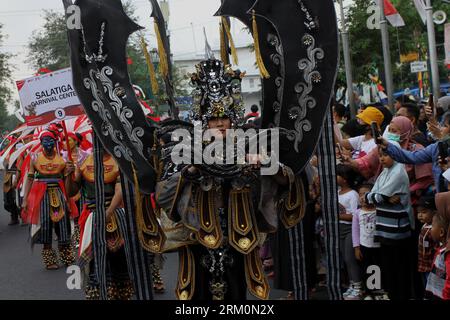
49 48
7 121
366 47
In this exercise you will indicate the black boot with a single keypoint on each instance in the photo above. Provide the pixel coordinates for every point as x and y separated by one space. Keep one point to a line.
14 220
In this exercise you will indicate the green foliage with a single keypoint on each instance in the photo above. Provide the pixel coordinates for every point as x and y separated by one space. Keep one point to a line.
7 121
48 48
366 46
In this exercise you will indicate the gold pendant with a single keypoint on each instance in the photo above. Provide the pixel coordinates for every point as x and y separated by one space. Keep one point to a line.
244 243
210 240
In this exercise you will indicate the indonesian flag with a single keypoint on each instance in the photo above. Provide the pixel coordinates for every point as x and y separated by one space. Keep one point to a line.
392 15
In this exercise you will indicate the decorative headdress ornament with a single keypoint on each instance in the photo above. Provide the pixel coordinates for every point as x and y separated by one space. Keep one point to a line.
217 92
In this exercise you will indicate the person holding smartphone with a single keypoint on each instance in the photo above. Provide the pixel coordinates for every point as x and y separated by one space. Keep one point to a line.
430 154
364 144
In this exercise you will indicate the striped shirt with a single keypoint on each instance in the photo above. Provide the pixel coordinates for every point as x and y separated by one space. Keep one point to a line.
392 220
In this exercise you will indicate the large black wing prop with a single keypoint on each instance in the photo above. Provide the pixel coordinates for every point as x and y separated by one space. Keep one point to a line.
309 38
99 66
295 98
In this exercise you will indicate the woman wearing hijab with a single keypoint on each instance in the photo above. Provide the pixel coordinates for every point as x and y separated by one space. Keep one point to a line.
400 130
428 155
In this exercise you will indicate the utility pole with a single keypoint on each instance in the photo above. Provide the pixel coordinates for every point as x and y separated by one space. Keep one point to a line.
386 55
432 50
347 62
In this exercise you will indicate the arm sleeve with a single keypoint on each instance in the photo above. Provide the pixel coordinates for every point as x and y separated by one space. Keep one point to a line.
408 157
368 165
356 142
375 198
355 230
354 203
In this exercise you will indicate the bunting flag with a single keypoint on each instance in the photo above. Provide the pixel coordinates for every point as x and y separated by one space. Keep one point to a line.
392 15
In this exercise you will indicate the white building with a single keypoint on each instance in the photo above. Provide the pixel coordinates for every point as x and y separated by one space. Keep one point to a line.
251 84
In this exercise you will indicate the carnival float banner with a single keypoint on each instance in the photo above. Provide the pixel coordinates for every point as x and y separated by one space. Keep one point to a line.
48 98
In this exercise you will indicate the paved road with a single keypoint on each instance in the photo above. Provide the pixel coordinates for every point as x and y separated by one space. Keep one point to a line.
22 275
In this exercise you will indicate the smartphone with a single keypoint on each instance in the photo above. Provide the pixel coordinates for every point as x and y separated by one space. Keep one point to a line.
375 132
443 151
431 104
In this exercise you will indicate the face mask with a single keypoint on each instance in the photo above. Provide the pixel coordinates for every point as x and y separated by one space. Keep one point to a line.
393 137
48 144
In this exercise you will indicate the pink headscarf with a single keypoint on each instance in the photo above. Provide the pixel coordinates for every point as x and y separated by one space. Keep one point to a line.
406 129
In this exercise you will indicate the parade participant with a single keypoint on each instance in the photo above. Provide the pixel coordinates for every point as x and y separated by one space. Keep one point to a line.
46 205
9 193
119 286
221 259
78 156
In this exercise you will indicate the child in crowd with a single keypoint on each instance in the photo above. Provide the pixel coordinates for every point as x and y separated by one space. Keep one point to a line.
390 195
367 250
349 201
439 278
427 246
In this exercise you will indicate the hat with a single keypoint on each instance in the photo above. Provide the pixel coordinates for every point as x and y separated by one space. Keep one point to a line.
371 114
444 103
217 92
48 134
427 202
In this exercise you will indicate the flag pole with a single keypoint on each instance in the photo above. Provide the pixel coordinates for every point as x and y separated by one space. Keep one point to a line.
432 50
386 55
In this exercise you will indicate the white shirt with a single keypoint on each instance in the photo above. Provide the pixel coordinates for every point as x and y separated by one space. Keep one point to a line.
361 146
350 201
367 222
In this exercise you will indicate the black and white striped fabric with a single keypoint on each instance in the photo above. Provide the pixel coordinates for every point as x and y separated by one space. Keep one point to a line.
99 229
298 268
330 207
62 228
137 258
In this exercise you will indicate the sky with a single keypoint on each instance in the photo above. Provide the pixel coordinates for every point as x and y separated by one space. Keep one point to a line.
187 19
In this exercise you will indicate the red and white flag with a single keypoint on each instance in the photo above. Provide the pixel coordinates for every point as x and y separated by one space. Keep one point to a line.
392 15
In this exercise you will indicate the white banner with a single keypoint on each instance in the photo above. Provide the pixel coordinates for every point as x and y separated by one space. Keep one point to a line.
419 66
48 98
